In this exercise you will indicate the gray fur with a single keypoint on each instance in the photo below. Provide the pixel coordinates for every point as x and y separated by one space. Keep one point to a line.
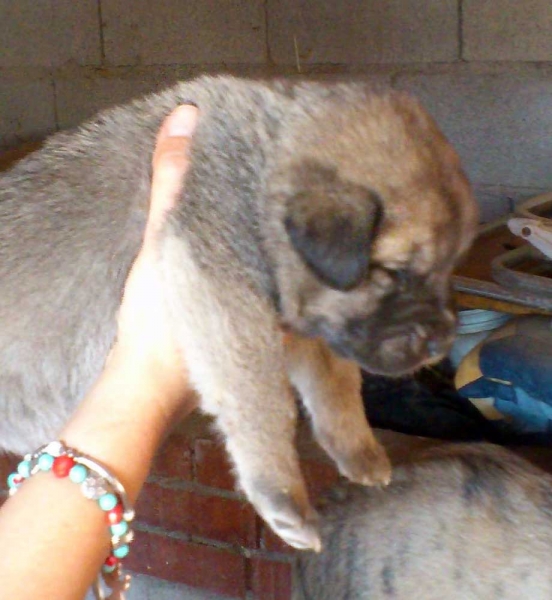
264 154
458 523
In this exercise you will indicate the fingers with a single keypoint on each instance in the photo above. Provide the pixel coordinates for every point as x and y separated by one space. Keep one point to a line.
170 162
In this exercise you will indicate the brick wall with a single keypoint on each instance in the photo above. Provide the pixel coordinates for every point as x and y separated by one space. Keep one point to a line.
192 527
483 67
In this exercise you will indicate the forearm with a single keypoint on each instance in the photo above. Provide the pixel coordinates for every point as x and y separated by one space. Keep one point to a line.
55 540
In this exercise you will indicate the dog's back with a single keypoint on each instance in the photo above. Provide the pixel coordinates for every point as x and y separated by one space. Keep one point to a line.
459 523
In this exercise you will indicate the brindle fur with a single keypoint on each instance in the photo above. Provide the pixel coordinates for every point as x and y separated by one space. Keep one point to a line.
457 523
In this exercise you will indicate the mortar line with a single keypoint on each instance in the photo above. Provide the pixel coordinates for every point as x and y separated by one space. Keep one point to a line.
55 98
268 53
461 30
100 25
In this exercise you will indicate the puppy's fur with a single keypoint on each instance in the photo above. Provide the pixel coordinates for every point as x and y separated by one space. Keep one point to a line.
458 523
332 210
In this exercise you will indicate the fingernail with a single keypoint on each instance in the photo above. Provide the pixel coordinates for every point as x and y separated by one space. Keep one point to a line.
182 121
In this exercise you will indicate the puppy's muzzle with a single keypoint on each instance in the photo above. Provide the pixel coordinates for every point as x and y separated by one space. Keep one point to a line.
416 337
400 340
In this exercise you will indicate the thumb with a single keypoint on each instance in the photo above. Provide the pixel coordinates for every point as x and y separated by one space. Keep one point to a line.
170 163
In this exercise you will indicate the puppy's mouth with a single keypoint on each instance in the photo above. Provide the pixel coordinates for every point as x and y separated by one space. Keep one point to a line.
397 351
411 349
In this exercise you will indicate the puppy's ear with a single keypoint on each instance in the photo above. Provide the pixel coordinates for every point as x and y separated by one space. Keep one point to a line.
331 224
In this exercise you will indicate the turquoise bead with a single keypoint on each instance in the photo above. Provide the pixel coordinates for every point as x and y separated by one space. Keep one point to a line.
109 568
119 529
78 473
11 482
24 468
45 462
121 551
107 501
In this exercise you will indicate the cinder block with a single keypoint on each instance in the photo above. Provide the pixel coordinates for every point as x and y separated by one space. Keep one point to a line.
492 203
80 98
27 110
362 31
195 32
151 588
44 33
507 30
501 124
497 201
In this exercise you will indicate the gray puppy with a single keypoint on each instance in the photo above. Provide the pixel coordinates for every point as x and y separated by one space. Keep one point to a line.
331 210
457 523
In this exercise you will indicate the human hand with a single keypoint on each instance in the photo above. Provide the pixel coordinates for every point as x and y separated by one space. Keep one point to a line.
144 338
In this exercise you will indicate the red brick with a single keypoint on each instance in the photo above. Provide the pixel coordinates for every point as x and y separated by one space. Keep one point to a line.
196 565
174 459
319 476
222 519
270 541
8 464
271 580
212 465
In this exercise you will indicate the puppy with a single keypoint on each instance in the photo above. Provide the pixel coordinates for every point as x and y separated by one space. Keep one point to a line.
330 210
458 523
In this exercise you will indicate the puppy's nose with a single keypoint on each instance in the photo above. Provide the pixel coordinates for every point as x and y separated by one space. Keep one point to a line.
436 348
434 342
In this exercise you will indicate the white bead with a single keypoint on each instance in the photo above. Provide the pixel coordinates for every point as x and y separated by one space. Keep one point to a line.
54 449
94 487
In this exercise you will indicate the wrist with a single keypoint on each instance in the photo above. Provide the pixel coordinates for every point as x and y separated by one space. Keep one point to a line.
165 377
121 423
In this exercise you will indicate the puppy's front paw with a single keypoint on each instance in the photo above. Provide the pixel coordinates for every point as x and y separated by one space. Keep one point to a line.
359 457
367 466
291 518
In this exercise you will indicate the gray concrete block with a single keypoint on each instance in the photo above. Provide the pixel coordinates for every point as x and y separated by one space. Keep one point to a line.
150 588
80 98
27 110
493 204
44 33
496 201
501 124
77 32
82 93
172 31
507 30
362 31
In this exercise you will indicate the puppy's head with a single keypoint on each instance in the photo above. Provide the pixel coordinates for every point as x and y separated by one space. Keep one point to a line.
375 214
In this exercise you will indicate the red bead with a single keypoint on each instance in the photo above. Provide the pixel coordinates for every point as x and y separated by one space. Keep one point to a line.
18 479
62 465
111 561
115 515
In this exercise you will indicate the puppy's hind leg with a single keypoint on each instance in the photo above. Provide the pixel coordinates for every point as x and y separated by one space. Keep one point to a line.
330 388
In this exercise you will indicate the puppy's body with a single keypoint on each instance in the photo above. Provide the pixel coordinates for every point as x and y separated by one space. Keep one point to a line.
329 209
460 523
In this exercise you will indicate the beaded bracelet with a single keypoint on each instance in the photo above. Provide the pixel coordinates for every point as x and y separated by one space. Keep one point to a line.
96 483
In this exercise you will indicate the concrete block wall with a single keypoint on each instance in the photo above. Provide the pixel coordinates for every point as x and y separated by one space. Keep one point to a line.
482 67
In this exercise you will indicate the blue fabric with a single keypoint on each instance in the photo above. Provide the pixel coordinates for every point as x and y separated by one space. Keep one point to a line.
523 361
517 374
